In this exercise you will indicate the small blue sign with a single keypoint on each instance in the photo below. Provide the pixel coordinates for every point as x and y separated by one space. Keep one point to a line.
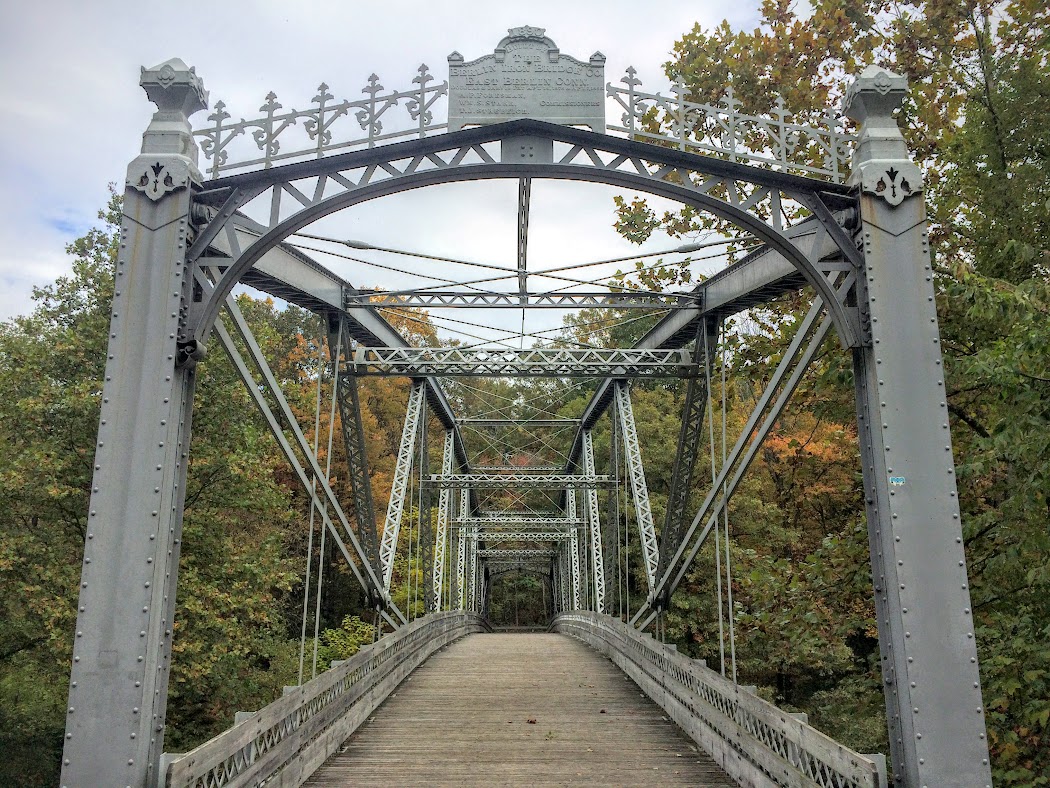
897 481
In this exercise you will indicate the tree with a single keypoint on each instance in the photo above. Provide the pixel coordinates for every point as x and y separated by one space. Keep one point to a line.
978 78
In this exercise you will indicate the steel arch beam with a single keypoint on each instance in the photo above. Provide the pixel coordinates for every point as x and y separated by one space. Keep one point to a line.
671 164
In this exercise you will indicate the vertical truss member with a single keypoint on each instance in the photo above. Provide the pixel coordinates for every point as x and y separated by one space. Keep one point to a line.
402 471
611 532
594 523
424 538
354 441
443 517
689 441
461 553
472 555
639 489
574 549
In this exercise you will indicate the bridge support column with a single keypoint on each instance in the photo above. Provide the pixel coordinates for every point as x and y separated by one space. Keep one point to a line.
357 463
121 653
926 634
574 550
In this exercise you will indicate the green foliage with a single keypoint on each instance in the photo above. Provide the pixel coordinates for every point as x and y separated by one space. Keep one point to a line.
244 538
344 642
979 91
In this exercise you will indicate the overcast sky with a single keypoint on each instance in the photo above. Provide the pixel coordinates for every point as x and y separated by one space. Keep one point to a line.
74 112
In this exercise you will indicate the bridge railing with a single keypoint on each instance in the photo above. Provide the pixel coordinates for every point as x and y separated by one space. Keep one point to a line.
753 741
286 741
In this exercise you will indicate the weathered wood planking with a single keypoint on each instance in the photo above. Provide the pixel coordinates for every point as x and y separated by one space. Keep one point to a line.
462 718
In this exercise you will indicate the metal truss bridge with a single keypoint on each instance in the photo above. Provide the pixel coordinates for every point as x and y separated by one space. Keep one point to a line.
531 483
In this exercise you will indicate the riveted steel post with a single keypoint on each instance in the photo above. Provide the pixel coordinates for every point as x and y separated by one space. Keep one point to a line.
922 598
122 649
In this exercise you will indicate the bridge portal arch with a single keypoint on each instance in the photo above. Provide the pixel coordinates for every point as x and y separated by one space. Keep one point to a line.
686 178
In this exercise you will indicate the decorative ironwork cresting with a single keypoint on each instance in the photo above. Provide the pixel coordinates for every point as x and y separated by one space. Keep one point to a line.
721 130
329 126
526 76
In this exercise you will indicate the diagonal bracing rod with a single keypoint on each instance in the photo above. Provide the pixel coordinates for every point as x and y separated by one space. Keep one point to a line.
689 442
364 574
396 507
682 559
360 484
639 489
444 516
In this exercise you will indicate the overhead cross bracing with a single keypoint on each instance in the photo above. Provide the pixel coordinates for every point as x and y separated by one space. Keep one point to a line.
538 481
533 362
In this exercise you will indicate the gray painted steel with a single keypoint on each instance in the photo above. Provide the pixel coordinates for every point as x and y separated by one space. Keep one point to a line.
526 77
538 481
402 470
530 362
360 484
690 440
922 598
594 543
643 512
444 517
122 649
436 299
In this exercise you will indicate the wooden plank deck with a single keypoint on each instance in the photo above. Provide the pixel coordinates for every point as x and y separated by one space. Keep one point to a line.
519 709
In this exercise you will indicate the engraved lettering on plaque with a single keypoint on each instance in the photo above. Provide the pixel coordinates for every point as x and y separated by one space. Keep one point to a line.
526 77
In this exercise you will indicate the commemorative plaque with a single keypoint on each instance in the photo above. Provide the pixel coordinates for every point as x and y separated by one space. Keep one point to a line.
526 77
